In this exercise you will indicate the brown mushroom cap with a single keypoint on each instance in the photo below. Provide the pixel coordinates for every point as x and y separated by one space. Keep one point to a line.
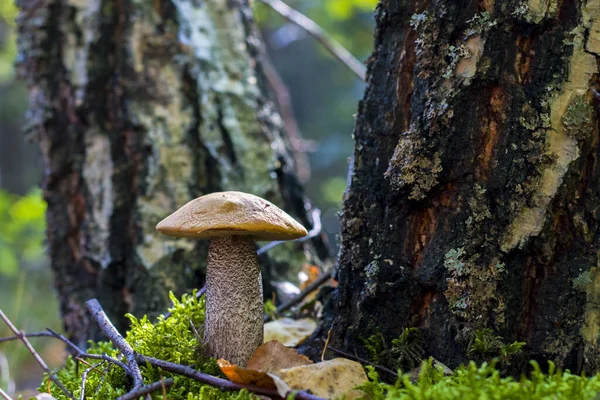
231 213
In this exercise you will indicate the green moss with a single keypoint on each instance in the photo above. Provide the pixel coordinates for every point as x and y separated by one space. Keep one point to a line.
486 345
578 120
474 382
174 339
405 352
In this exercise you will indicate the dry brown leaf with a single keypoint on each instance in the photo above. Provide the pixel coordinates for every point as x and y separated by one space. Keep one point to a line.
330 379
288 331
273 356
245 376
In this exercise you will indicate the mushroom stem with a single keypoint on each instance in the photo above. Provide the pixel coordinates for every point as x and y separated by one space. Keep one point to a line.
233 327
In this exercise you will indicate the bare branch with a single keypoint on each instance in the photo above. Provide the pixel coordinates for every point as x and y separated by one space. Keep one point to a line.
84 377
324 277
37 357
310 26
362 360
119 341
213 380
4 395
144 390
315 231
82 354
28 335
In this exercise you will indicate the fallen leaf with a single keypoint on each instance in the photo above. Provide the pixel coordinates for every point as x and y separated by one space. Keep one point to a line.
288 331
273 356
330 379
245 376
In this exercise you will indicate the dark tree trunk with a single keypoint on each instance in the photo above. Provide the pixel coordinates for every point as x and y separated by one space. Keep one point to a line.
475 195
140 107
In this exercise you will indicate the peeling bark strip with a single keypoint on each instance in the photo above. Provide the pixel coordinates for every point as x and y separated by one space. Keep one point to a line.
139 107
475 194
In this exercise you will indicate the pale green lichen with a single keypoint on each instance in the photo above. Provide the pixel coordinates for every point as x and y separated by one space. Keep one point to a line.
472 291
578 120
582 281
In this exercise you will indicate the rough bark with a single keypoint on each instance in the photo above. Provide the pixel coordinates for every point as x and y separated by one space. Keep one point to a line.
475 193
139 107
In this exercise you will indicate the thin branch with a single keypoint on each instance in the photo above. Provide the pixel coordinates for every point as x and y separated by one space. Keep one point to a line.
37 357
310 26
213 380
5 395
315 231
28 335
362 360
324 277
282 95
145 390
82 354
84 377
119 341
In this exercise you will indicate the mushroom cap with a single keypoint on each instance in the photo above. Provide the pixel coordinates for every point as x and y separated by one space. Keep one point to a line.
228 214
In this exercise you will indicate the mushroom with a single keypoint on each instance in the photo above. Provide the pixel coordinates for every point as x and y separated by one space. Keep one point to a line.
233 326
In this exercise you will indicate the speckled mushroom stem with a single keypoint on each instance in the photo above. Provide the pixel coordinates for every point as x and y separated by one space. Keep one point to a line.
233 327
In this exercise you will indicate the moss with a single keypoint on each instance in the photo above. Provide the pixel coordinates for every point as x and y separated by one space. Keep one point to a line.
484 381
578 120
486 345
174 339
405 352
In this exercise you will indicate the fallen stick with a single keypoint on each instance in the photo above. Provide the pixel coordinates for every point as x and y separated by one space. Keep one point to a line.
119 341
145 390
23 338
324 277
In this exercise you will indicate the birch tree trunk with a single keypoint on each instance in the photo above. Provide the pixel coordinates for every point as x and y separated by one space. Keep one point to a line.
475 195
140 106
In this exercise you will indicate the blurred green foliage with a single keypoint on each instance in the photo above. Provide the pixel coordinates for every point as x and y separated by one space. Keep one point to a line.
22 227
8 43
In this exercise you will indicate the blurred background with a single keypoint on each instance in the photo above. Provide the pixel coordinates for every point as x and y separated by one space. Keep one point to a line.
324 96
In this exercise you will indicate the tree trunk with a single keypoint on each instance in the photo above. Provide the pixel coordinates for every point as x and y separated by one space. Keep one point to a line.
474 198
140 107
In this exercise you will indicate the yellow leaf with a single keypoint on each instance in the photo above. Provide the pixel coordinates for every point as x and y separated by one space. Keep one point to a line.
288 331
329 379
273 356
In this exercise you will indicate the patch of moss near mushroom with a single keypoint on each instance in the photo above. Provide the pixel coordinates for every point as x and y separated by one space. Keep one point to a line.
233 326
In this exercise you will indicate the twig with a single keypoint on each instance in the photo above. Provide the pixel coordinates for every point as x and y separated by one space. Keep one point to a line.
326 344
28 335
144 390
82 354
310 26
120 343
213 380
23 338
315 231
362 360
5 395
282 95
324 277
84 377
